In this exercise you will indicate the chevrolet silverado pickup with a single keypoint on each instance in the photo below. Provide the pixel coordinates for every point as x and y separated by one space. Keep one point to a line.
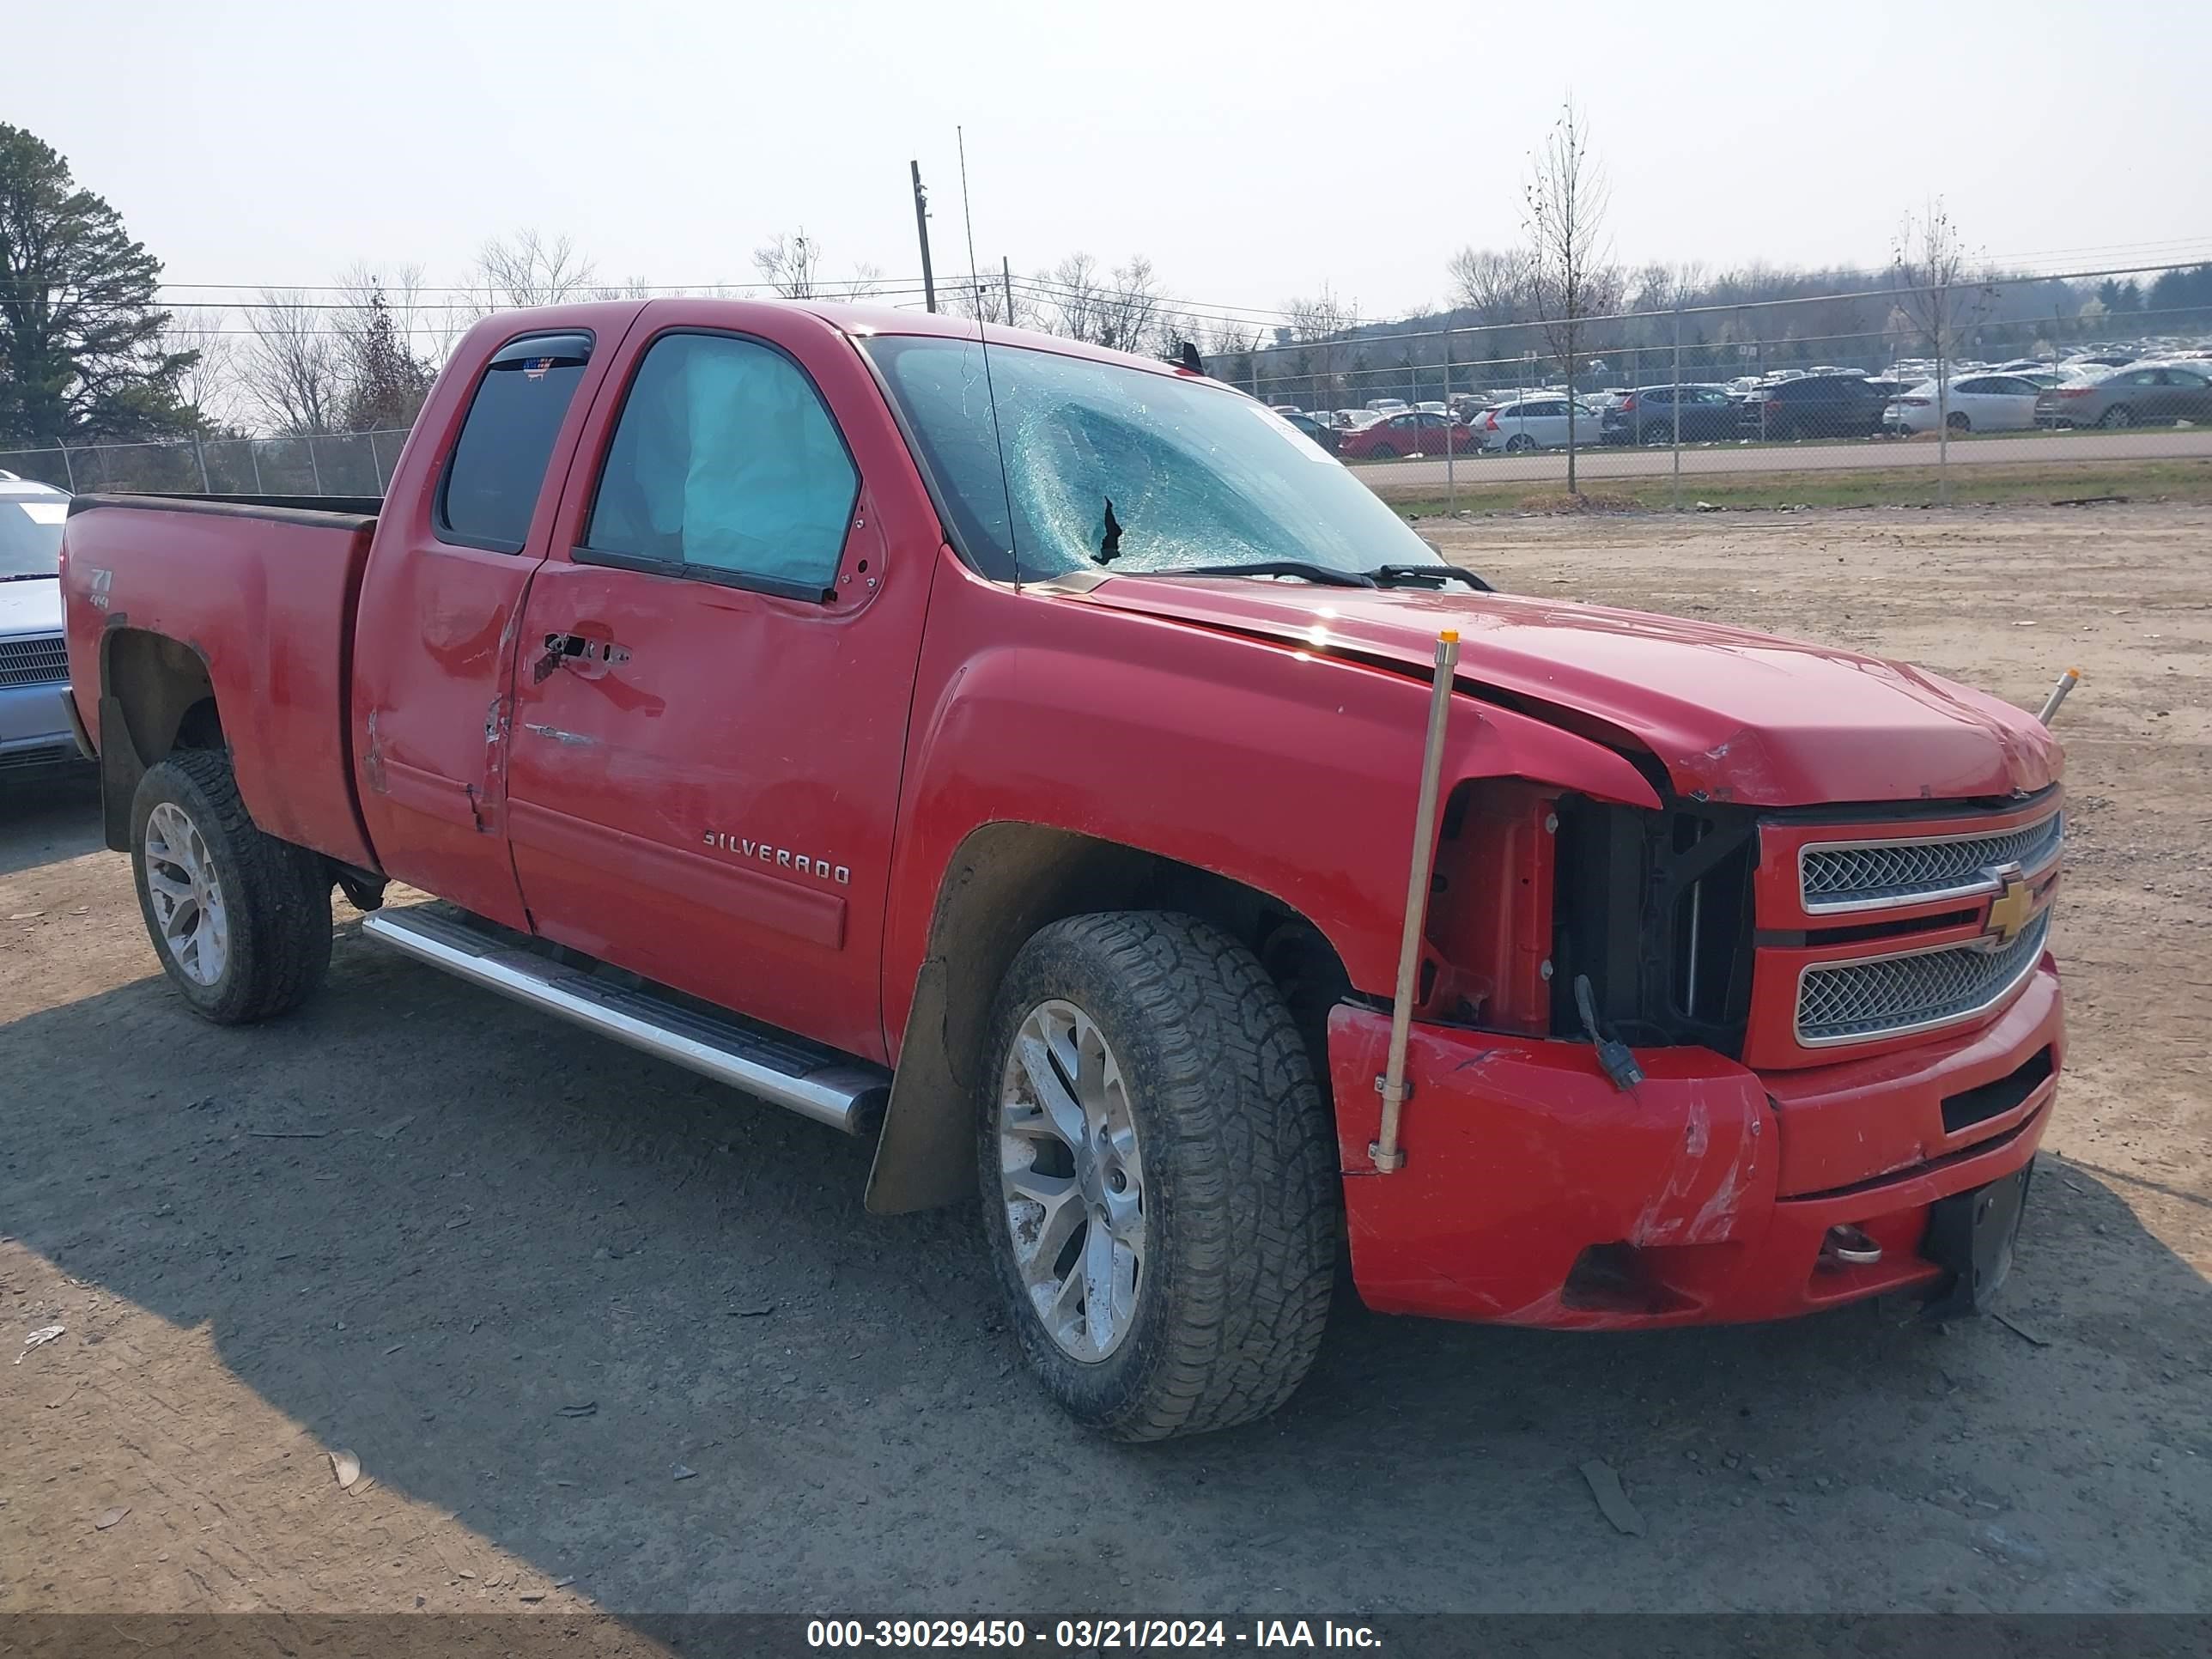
1043 762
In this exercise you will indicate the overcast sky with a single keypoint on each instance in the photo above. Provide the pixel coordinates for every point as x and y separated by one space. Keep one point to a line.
1252 151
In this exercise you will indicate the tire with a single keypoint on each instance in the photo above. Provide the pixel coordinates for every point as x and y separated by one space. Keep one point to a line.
1519 444
1382 452
1656 434
1226 1176
262 946
1958 423
2118 415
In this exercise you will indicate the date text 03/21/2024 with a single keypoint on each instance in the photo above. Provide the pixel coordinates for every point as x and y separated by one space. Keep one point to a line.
1087 1635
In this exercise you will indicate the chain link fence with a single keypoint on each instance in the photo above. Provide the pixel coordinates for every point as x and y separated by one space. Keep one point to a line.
1901 393
1895 394
324 463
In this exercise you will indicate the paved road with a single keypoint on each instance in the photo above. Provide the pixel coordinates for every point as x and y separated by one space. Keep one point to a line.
2058 447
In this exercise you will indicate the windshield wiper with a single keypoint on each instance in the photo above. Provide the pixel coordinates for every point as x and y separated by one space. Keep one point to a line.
1327 575
1426 575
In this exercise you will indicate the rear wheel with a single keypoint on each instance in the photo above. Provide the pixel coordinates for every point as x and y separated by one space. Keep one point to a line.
2118 415
1519 444
240 920
1658 434
1158 1176
1382 452
1958 423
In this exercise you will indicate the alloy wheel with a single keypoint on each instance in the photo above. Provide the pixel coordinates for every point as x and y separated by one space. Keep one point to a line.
187 898
1072 1179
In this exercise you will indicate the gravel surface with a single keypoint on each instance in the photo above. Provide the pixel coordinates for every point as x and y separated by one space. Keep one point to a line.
598 1333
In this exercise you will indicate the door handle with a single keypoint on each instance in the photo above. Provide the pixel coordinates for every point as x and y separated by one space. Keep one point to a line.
584 655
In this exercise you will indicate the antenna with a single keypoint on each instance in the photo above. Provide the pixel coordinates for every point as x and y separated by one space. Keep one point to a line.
974 284
983 341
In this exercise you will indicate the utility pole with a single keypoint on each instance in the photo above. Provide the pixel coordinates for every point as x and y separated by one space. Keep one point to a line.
1007 278
922 229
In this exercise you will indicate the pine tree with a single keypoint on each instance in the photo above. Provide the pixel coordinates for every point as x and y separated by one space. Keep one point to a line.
81 354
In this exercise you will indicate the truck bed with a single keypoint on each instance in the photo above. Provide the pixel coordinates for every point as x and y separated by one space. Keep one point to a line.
270 613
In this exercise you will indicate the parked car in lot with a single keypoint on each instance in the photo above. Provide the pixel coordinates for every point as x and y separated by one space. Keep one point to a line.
1313 427
2142 394
1813 406
1386 405
1536 423
1975 403
35 733
1412 432
1017 774
1646 416
1353 419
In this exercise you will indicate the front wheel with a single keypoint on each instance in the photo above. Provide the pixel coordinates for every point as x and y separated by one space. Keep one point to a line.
2118 415
1158 1175
240 920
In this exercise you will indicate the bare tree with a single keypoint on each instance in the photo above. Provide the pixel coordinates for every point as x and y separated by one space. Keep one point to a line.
1118 309
1569 280
292 370
792 265
987 299
867 281
1935 296
209 386
528 268
1492 282
1319 325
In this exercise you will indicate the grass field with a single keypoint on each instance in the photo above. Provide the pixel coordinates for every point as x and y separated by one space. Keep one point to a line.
2189 480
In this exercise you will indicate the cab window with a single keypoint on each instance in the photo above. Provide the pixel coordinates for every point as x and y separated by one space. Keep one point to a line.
491 484
725 466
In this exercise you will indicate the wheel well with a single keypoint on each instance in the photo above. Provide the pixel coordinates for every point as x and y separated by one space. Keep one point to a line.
1006 882
156 696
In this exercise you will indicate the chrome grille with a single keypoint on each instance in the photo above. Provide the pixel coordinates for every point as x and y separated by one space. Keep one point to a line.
33 661
1914 991
1878 875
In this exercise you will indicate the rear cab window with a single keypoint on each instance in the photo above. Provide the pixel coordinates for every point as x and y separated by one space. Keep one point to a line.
491 485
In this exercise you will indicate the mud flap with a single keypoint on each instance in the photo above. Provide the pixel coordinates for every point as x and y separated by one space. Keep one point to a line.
1972 1233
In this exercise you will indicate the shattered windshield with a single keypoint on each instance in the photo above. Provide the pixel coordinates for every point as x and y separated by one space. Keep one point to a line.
1110 467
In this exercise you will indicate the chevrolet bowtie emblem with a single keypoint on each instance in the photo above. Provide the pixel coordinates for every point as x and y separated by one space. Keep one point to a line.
2013 905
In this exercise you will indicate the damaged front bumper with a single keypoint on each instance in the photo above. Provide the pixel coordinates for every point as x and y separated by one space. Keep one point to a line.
1534 1193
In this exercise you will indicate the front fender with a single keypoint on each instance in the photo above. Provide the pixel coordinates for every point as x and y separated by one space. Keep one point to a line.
1288 770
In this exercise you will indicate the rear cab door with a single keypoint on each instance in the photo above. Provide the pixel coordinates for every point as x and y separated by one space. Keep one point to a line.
716 669
467 521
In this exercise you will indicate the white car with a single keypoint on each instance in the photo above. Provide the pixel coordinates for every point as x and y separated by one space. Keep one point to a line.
1975 402
1536 423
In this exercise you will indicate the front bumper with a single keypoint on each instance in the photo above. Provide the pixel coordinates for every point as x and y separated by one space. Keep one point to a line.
35 730
1534 1193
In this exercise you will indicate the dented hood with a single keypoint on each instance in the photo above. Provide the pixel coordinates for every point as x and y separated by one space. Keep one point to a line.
1731 714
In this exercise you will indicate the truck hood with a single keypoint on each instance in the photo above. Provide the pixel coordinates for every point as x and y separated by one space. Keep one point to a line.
1731 714
32 606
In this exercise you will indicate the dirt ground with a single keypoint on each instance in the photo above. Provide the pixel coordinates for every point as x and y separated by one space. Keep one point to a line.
601 1334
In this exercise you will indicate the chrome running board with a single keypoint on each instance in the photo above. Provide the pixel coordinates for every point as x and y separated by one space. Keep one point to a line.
822 1084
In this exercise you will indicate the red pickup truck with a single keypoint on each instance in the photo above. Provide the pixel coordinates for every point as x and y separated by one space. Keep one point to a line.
1043 762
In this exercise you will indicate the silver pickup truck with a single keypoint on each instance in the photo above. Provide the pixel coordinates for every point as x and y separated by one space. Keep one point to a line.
35 730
